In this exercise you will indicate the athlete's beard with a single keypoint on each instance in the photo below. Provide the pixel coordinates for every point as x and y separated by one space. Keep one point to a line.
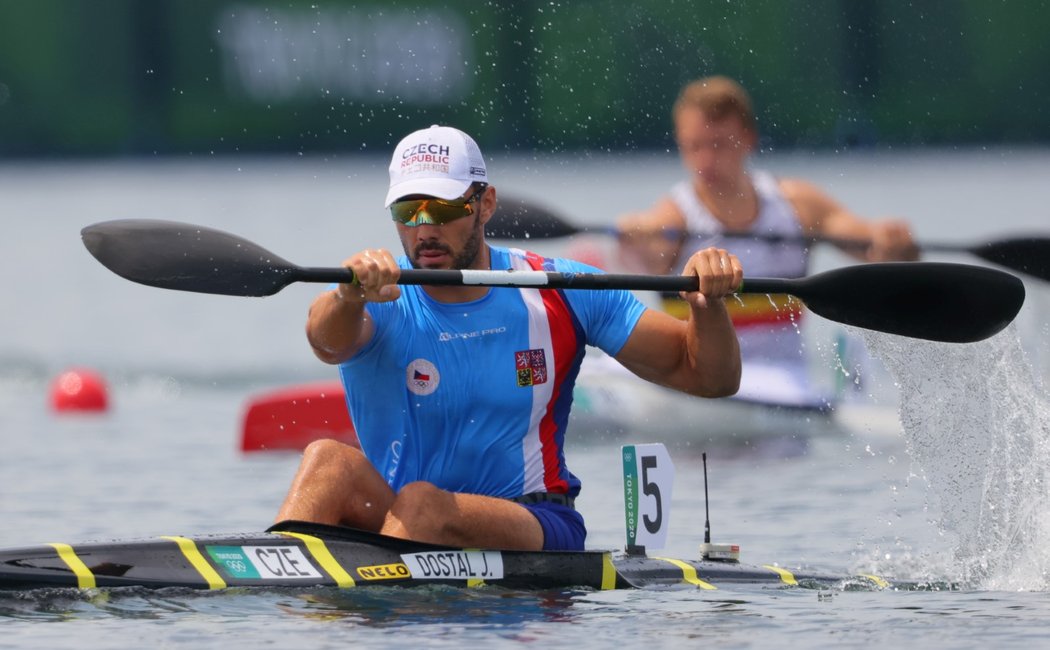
466 257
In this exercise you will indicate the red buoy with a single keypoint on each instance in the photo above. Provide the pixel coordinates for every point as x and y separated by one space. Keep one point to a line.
79 390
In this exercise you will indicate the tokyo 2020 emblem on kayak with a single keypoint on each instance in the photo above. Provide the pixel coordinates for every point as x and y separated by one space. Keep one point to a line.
422 377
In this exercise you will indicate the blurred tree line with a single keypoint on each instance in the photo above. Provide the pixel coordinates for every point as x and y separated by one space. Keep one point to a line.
117 77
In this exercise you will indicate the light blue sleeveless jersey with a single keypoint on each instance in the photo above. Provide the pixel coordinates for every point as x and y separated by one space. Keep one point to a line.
474 397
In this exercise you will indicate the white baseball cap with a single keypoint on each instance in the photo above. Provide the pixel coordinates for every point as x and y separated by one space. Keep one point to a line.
440 161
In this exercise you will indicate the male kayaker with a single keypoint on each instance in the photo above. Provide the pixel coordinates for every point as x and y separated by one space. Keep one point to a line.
716 133
460 395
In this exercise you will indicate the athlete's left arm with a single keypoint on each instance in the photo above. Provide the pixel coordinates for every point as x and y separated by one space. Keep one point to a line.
700 356
822 216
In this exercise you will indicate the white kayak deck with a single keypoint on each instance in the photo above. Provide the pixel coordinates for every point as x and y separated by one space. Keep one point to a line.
773 402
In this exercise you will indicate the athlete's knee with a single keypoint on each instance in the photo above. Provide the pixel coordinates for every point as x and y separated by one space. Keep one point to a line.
420 496
420 510
329 452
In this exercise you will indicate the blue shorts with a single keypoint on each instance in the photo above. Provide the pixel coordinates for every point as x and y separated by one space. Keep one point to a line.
563 528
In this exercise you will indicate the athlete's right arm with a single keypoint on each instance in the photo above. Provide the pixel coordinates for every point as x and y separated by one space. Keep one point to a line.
700 356
338 324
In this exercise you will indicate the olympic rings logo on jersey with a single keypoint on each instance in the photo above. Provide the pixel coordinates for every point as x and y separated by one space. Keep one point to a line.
422 377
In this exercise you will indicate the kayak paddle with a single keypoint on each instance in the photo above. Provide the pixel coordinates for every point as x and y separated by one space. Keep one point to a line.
935 301
1029 254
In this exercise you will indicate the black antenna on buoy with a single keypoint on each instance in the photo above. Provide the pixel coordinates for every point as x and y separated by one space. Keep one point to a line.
707 506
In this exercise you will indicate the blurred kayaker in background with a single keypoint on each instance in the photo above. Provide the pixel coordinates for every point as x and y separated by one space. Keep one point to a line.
716 133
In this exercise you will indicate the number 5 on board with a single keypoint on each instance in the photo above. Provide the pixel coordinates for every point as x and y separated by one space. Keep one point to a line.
648 475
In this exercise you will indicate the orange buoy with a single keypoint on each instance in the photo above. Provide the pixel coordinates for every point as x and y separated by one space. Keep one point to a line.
79 390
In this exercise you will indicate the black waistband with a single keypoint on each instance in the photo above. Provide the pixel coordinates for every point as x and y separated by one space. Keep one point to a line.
545 497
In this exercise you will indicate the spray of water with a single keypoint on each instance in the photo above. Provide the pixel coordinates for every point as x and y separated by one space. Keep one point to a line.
977 427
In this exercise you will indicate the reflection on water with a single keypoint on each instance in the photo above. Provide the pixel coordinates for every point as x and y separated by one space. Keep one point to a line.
381 607
393 607
388 607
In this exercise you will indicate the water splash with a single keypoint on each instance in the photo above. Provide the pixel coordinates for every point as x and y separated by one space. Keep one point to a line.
977 425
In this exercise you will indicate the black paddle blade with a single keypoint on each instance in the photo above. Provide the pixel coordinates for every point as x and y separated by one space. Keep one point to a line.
519 219
186 257
1029 255
955 303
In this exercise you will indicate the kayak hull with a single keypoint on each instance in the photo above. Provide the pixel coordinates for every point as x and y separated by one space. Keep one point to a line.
295 554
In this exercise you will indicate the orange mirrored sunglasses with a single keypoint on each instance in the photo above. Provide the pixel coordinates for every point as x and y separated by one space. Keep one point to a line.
416 212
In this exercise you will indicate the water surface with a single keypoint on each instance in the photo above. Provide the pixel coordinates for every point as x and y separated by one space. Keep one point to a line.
958 497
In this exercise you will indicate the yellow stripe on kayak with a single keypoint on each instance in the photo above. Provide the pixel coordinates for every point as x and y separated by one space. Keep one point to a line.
189 549
85 579
608 572
324 557
879 582
688 573
786 576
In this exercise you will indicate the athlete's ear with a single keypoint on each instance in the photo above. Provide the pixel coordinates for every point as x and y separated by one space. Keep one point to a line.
487 204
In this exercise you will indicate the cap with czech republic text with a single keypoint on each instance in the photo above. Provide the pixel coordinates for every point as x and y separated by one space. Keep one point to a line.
440 161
